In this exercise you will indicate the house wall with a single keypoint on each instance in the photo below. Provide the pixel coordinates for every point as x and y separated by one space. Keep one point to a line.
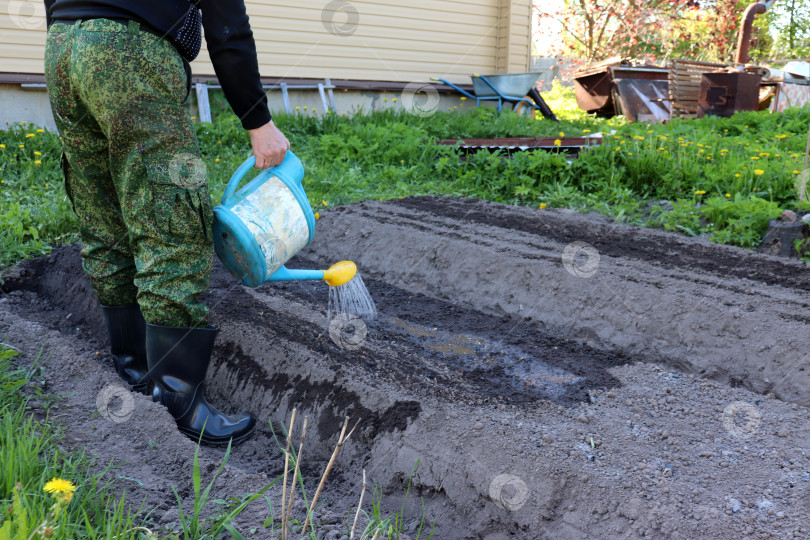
359 40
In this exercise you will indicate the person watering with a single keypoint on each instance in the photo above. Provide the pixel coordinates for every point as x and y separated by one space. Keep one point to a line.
119 81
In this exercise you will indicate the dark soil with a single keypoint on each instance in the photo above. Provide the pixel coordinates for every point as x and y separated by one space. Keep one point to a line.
537 404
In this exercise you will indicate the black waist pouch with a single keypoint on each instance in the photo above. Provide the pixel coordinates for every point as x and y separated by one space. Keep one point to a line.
187 36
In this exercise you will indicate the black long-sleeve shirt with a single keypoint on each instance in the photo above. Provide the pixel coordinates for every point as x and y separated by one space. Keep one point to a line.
227 34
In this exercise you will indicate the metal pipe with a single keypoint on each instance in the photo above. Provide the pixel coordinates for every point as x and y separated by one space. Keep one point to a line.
744 40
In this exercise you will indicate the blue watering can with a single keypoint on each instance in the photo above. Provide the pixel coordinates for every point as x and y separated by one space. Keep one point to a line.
260 227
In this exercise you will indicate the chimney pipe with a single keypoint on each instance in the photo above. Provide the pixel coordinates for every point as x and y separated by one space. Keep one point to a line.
744 40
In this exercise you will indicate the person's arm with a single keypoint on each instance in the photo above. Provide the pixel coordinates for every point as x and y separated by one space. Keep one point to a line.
48 7
233 54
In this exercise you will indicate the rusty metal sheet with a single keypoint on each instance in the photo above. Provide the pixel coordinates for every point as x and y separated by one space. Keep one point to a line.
595 88
593 92
644 100
723 94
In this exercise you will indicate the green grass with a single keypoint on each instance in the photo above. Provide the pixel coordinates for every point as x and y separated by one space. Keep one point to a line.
388 154
31 454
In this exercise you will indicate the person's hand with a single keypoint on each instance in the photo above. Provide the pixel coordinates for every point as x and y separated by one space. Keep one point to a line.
269 145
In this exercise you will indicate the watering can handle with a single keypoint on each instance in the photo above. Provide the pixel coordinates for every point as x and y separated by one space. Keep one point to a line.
243 169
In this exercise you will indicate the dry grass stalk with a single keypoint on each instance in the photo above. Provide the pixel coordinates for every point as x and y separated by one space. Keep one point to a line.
284 486
359 506
296 472
341 441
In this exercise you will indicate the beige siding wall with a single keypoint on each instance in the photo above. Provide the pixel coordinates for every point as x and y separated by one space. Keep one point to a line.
402 42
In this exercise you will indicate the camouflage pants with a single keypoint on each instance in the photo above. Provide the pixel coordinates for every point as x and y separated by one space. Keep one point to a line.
132 167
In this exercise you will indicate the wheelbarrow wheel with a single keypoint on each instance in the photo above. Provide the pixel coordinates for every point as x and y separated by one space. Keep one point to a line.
524 109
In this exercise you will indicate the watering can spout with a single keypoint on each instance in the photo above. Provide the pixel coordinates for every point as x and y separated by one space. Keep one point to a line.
337 274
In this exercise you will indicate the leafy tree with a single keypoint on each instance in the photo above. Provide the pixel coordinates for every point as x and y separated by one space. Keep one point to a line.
704 30
790 19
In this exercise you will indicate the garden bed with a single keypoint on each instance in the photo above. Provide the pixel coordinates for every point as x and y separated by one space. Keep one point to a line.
640 384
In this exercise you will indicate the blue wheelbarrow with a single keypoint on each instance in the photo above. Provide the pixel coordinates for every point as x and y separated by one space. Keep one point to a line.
517 89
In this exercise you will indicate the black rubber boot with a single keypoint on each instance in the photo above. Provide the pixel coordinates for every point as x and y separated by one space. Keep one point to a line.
178 361
127 333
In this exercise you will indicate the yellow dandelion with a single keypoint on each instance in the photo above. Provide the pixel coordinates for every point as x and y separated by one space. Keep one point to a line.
649 131
37 153
700 192
543 205
298 108
193 117
385 99
395 99
754 158
38 162
794 156
2 145
797 172
562 134
318 215
463 98
759 172
736 175
764 154
22 146
728 195
324 203
701 151
216 160
219 142
557 142
586 131
638 137
30 135
40 130
629 153
59 486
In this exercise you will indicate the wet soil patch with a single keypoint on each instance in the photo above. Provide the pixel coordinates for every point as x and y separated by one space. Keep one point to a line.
433 343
